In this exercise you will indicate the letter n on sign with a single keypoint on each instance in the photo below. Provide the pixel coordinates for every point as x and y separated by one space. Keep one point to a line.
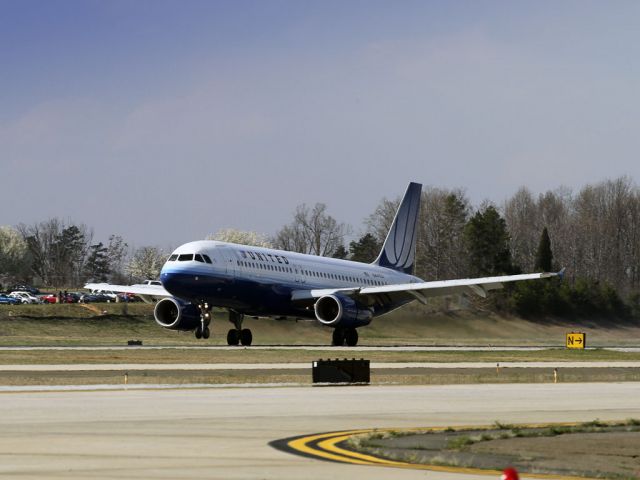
576 340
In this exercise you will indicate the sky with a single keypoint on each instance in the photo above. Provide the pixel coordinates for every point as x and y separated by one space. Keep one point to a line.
164 121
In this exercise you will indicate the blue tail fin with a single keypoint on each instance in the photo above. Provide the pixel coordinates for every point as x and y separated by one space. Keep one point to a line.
399 249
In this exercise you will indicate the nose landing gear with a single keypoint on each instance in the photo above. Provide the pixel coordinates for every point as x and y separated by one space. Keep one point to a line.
202 331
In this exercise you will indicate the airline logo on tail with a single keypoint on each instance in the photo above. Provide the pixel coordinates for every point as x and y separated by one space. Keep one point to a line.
399 249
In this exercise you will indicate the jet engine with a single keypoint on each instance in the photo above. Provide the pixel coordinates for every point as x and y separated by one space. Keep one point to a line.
174 314
341 311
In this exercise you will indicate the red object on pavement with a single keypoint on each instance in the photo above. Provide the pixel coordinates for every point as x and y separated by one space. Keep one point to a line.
510 474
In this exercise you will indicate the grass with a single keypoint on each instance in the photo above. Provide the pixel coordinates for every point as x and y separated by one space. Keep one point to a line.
596 426
303 376
167 377
595 449
276 355
107 324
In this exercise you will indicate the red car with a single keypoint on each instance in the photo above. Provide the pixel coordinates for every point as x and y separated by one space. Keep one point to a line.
53 298
49 298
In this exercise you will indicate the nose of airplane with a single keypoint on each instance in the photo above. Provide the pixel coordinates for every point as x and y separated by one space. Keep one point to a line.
171 282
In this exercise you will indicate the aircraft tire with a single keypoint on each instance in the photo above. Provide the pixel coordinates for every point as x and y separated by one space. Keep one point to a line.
351 337
206 333
337 340
233 337
246 337
198 333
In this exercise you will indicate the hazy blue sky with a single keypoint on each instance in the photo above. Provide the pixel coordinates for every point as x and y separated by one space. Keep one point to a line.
163 121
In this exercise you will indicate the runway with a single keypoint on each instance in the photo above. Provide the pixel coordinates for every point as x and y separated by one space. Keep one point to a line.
224 433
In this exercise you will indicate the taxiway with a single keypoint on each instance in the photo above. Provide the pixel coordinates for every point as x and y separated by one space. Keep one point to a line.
223 433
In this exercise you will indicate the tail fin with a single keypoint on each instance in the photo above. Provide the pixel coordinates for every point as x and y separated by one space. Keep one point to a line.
399 249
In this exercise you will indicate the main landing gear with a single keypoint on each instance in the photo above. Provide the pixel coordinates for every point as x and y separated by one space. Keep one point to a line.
202 331
238 334
344 335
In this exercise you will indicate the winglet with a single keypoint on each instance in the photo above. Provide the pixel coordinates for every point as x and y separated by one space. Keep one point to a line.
560 274
399 249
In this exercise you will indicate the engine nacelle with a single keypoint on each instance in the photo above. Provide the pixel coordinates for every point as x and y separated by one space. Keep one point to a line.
174 314
335 310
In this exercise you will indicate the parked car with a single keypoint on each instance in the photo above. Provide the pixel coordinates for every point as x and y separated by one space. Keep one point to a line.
129 297
93 298
7 300
24 288
73 297
25 297
108 294
152 282
49 298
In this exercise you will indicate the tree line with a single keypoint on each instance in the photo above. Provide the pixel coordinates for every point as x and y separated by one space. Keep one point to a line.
594 233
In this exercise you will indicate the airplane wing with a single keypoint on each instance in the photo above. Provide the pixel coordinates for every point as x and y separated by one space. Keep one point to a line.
148 293
423 290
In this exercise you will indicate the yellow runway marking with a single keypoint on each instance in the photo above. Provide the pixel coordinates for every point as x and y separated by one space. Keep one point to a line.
326 446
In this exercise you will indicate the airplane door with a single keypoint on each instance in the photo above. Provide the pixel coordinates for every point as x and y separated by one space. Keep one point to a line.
226 255
299 276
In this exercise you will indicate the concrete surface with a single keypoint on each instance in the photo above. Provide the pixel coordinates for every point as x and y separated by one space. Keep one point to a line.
224 433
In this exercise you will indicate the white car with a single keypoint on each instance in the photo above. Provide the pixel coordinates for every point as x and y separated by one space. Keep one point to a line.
112 296
25 297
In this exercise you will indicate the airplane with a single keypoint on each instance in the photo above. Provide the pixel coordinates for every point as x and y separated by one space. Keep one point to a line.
264 282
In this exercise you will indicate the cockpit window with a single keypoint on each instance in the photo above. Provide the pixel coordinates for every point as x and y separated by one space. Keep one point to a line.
185 257
198 258
173 258
206 258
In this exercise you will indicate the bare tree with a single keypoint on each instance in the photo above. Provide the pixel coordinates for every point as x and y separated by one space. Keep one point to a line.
14 254
58 251
312 231
241 237
146 263
594 233
441 248
523 221
117 251
379 222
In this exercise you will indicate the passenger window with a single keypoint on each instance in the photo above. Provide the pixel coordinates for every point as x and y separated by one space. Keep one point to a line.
185 257
206 258
199 258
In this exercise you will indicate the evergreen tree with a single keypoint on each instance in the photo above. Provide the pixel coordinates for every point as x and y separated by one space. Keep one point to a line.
487 240
365 250
544 255
340 252
97 265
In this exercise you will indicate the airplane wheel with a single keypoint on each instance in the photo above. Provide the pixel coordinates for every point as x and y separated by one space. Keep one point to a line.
338 337
198 333
351 337
206 333
233 337
246 337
